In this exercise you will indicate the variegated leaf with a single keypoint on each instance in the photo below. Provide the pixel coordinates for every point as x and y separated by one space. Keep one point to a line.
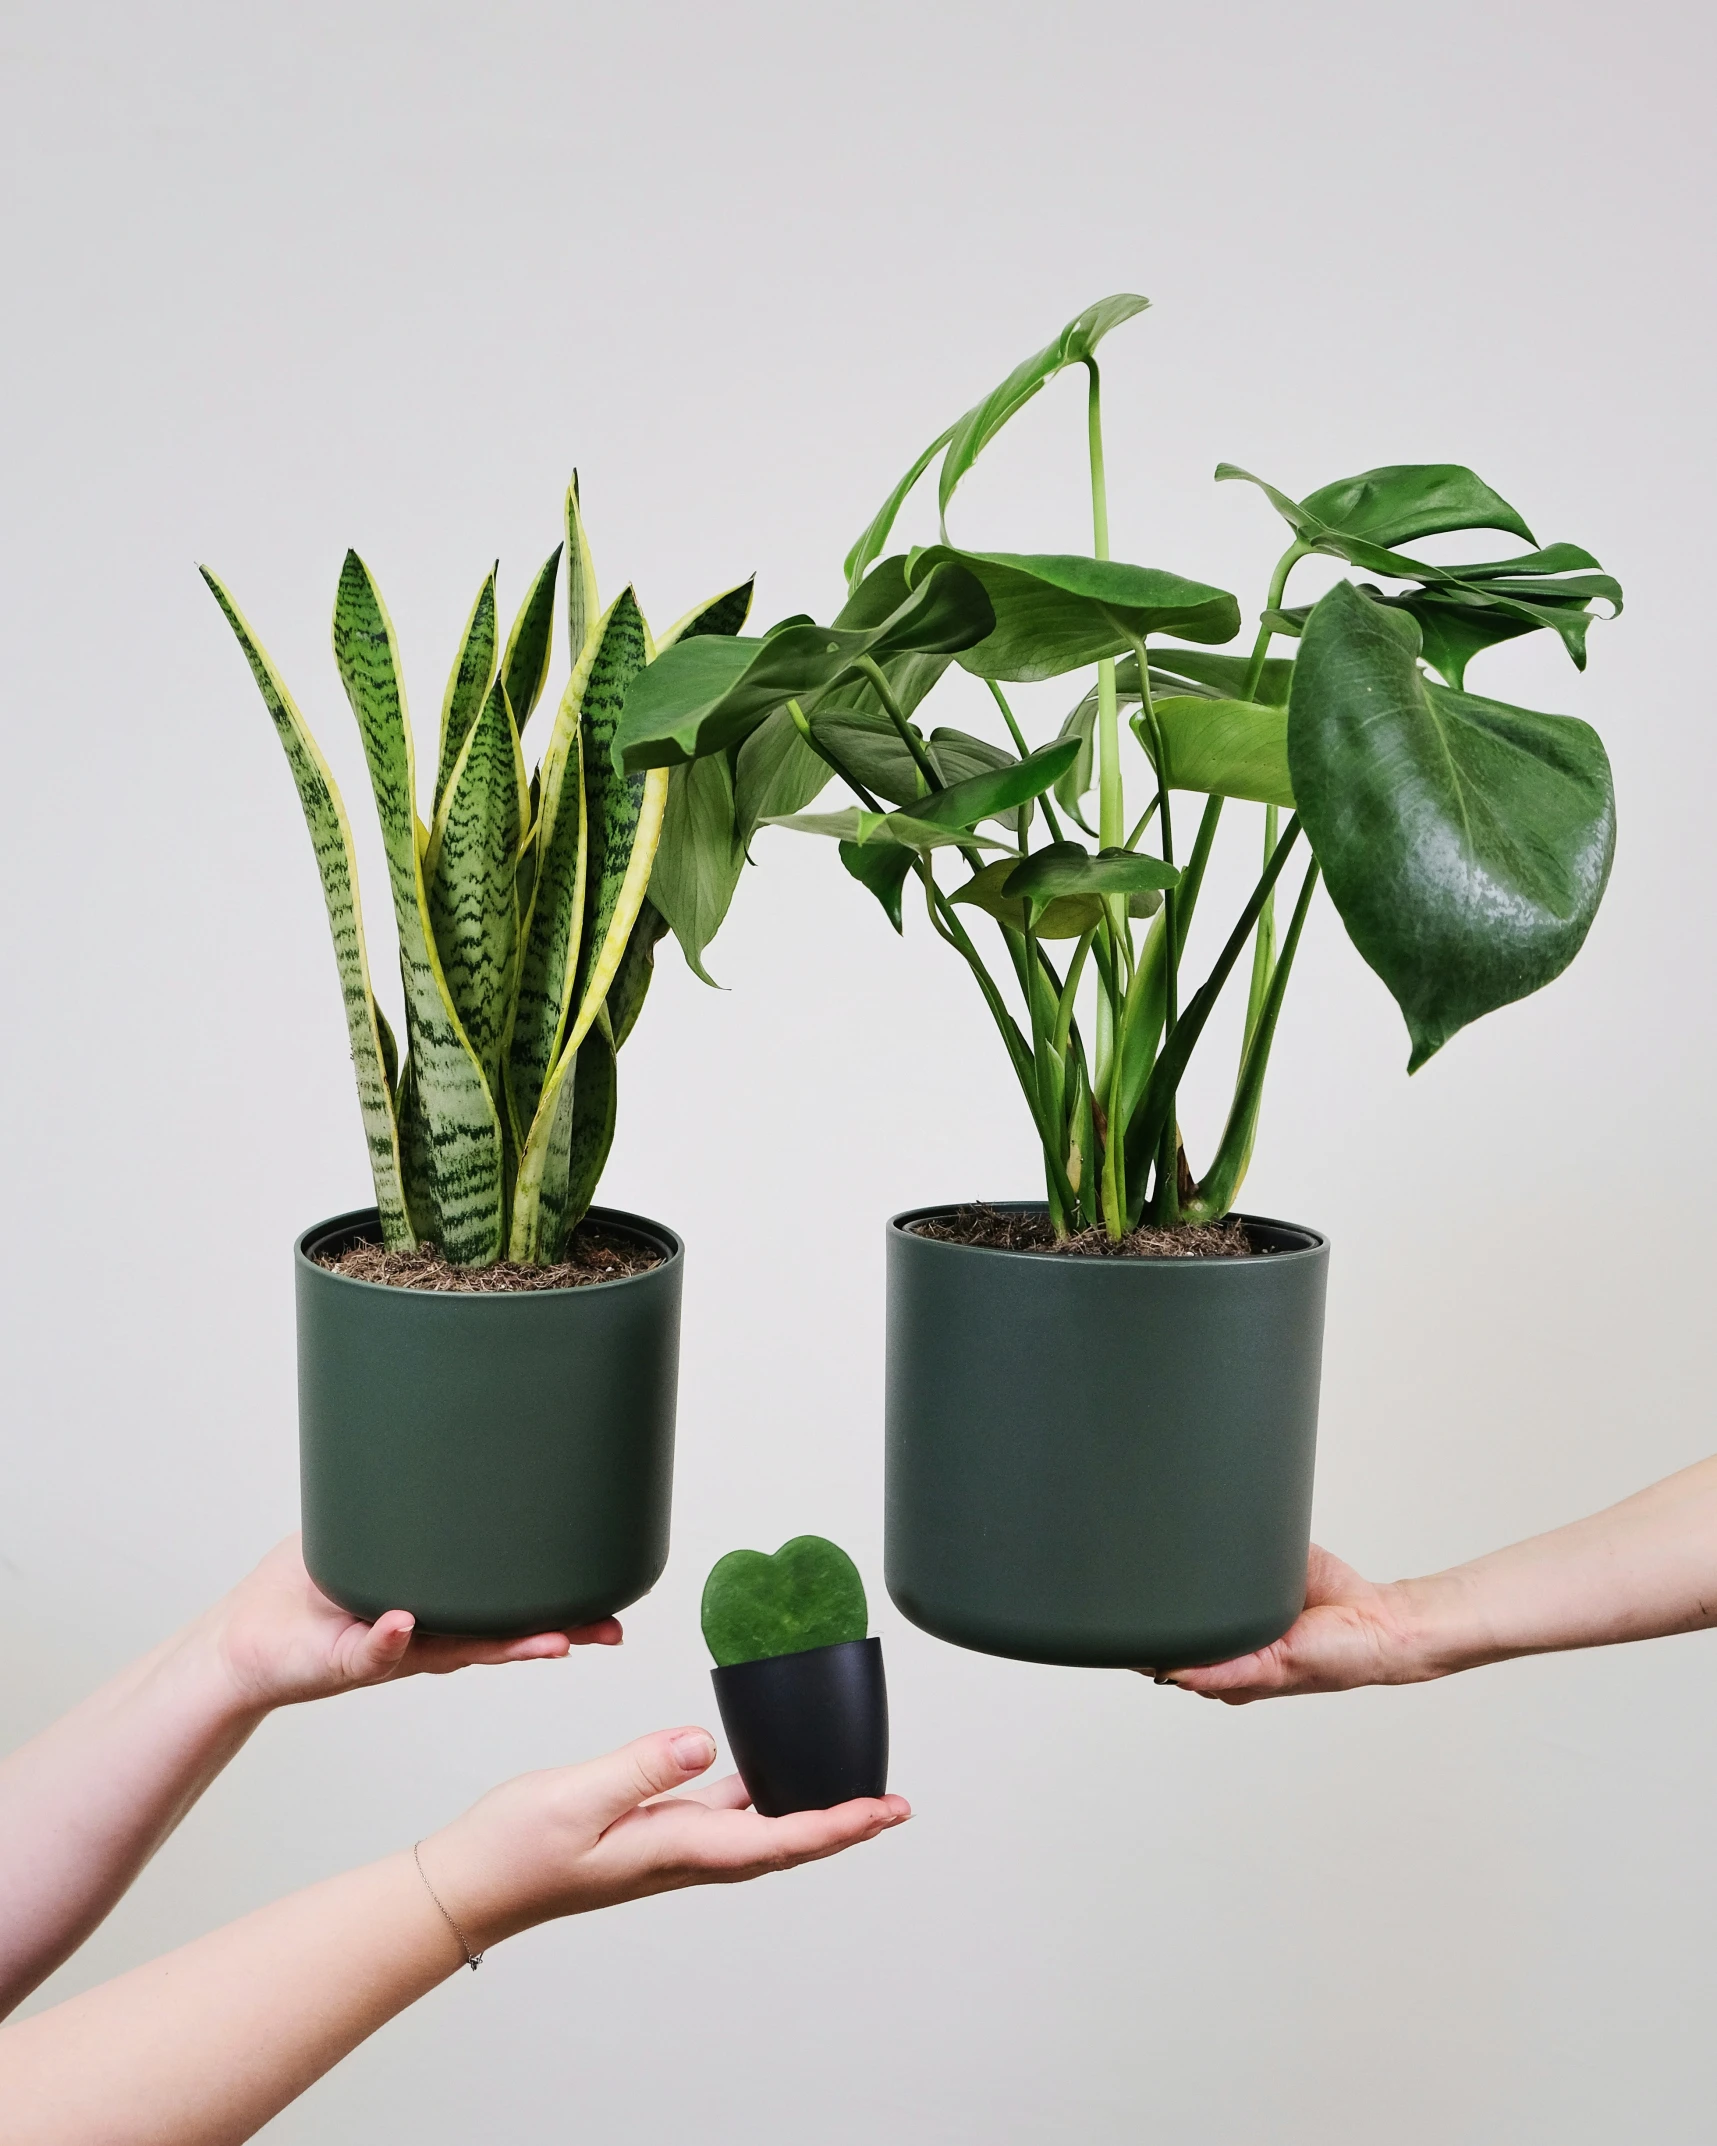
637 966
724 614
613 801
331 838
473 668
524 667
473 879
464 1129
582 608
553 932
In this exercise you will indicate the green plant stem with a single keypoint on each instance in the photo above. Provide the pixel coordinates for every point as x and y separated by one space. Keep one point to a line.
1142 822
1020 746
896 715
1222 1181
1266 633
1153 1123
1064 1010
1165 1200
802 724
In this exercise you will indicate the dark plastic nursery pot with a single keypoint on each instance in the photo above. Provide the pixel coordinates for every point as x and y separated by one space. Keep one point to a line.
1102 1462
496 1464
808 1730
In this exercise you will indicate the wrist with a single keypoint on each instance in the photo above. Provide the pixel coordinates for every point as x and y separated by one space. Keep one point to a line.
205 1657
1438 1625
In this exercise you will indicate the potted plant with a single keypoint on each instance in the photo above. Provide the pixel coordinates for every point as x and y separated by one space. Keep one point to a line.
1097 1454
487 1362
800 1687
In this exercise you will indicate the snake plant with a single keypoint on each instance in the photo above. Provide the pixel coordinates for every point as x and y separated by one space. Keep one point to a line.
1465 843
528 907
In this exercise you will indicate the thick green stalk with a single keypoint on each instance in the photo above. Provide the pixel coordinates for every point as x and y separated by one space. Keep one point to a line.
1153 1123
1266 633
1111 808
896 715
1222 1181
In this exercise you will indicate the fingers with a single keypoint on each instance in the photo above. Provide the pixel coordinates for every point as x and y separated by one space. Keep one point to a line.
748 1846
728 1794
381 1647
606 1634
610 1787
437 1654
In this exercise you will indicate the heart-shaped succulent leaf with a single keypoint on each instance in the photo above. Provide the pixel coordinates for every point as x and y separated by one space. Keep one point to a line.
808 1594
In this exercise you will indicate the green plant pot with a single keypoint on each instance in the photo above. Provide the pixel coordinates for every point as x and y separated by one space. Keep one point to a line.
495 1464
1103 1462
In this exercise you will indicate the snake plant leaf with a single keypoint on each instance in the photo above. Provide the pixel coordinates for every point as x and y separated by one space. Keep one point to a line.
698 860
637 966
1465 843
809 1594
595 1096
1385 507
1223 748
578 1146
1073 346
473 668
723 614
775 774
524 666
472 870
709 694
883 868
414 1156
534 1229
614 801
1064 868
374 1058
465 1131
554 929
1054 613
582 607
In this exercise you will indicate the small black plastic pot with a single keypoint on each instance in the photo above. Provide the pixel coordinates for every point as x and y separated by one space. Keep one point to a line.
494 1463
1102 1462
808 1730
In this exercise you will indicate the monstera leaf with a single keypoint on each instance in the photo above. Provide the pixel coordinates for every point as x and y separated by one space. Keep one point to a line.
1465 843
809 1594
1055 613
710 694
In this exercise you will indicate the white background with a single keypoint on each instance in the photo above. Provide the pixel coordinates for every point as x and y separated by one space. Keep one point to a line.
283 279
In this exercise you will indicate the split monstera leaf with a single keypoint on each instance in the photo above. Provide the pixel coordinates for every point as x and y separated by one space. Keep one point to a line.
527 909
808 1594
1465 843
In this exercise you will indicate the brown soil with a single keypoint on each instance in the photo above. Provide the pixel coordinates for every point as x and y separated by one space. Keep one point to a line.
997 1230
592 1258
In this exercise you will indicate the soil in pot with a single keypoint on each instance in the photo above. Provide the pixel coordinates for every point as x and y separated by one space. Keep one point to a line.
1015 1229
594 1255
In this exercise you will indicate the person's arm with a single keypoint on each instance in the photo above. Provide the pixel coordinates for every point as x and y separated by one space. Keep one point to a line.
1641 1570
86 1804
203 2047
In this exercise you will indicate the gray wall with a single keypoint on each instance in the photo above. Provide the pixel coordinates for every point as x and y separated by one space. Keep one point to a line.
284 279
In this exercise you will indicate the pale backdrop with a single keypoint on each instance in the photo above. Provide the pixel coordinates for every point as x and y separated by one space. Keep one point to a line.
281 279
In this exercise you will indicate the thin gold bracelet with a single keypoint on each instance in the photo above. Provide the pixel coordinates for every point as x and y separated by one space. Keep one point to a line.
473 1960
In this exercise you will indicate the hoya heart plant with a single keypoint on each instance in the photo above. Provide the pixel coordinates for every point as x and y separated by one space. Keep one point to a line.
809 1594
1464 842
528 903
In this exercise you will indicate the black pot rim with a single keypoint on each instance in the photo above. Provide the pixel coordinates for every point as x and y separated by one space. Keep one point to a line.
1315 1242
799 1654
366 1221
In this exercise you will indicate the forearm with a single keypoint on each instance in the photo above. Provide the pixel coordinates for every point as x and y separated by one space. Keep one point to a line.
1640 1570
86 1804
203 2047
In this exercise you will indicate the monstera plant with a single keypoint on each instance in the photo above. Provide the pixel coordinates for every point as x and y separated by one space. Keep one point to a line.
522 903
1465 844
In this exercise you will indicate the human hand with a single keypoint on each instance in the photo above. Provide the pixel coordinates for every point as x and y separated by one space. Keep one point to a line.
280 1640
580 1837
1350 1632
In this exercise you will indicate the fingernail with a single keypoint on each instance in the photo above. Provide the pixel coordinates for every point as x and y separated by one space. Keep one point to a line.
695 1750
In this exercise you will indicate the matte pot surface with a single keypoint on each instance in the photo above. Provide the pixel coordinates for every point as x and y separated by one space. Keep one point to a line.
494 1463
808 1730
1102 1462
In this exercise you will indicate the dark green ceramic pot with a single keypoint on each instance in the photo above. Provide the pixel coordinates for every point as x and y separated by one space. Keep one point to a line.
1104 1462
495 1464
